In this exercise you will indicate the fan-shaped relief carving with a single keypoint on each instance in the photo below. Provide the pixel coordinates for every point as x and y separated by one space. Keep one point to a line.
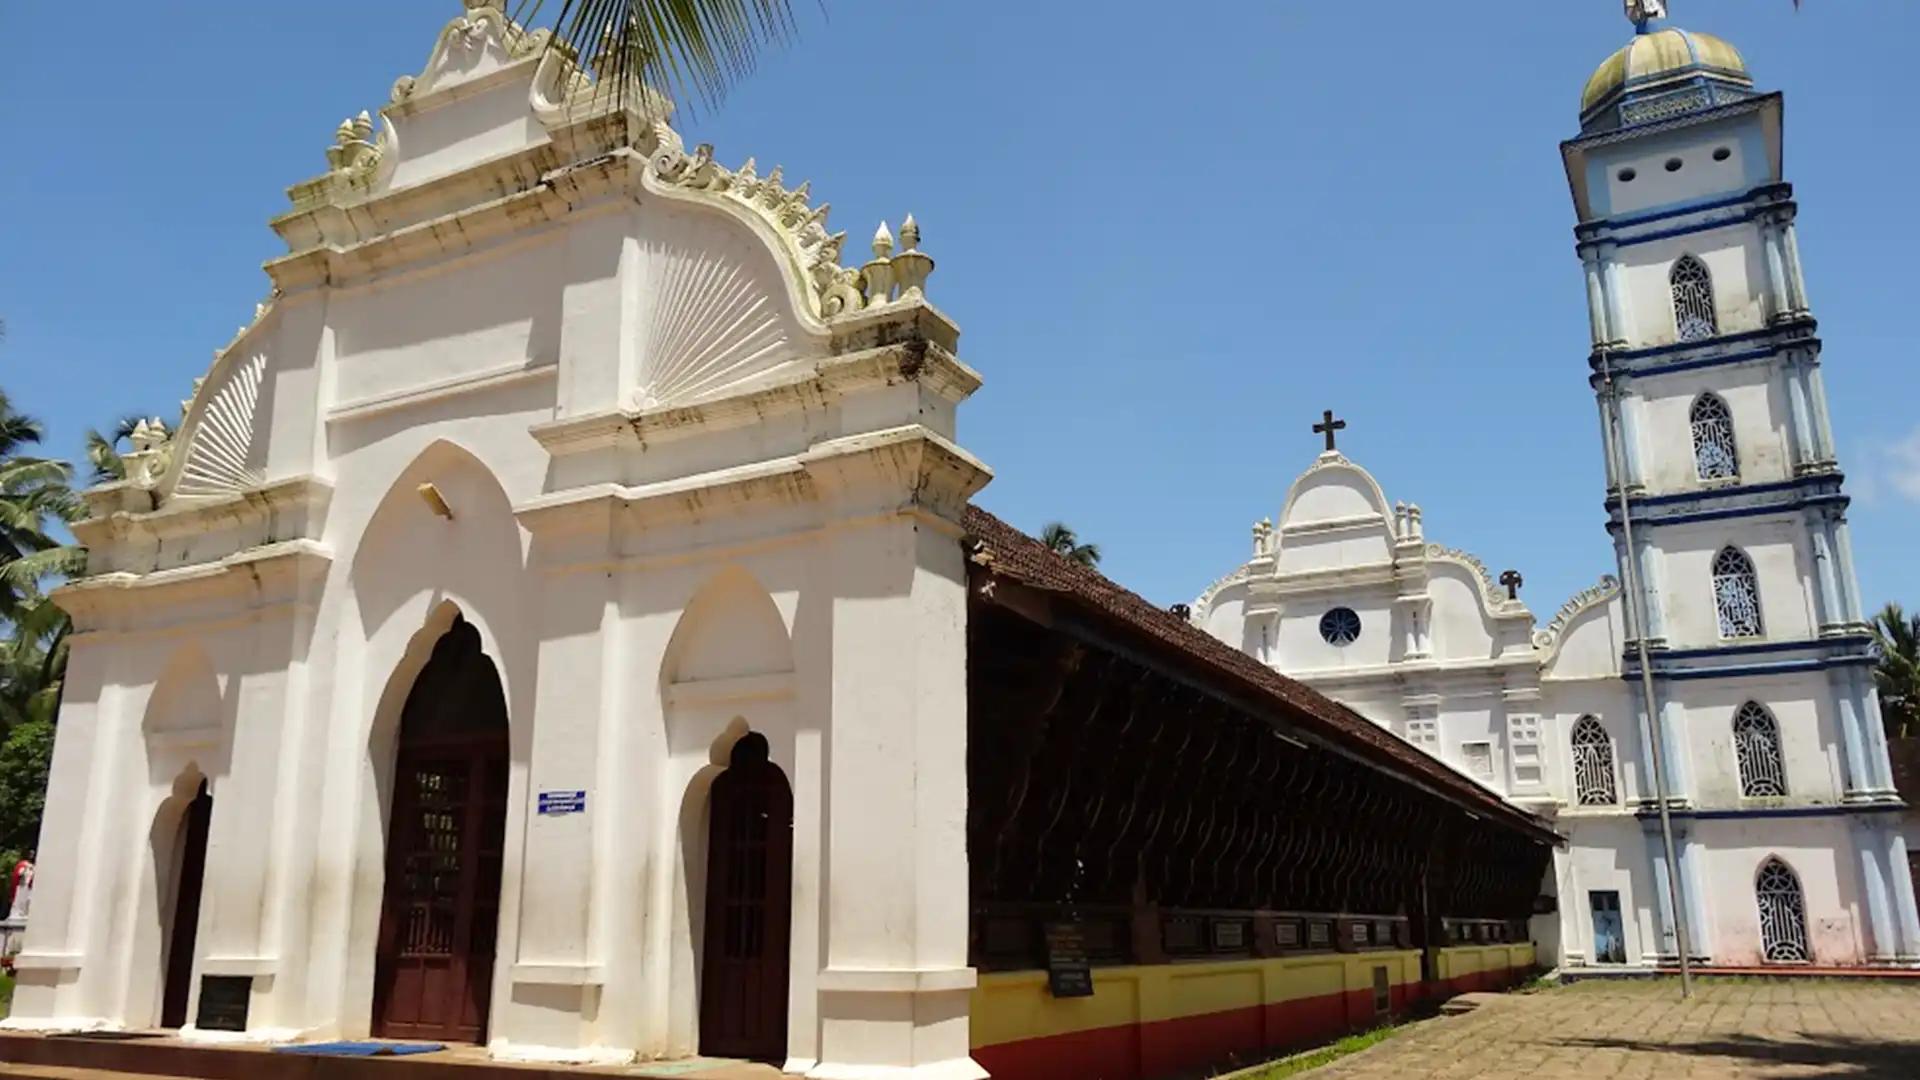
713 315
219 450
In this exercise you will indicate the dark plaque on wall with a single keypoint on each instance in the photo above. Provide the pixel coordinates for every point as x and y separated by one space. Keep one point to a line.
1069 975
223 1002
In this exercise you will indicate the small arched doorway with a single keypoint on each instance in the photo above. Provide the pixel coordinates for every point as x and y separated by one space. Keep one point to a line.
190 861
743 986
433 976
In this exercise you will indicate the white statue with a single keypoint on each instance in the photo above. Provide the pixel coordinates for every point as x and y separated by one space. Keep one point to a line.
1640 11
22 901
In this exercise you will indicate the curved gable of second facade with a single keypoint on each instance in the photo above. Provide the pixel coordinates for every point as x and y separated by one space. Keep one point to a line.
1336 516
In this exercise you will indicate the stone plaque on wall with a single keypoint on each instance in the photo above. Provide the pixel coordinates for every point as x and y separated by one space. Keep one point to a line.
223 1002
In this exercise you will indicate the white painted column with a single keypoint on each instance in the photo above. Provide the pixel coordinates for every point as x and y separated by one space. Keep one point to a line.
1647 559
1799 416
1906 915
1860 779
1645 750
1618 325
1630 406
1796 280
1871 849
1879 761
1665 944
1777 295
1843 570
1673 720
1826 590
1822 422
1613 481
1597 322
1693 879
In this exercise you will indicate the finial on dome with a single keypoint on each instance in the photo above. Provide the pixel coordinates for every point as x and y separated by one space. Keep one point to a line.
1642 12
883 241
910 232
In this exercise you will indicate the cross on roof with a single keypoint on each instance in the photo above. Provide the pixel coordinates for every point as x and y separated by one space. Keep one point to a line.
1327 426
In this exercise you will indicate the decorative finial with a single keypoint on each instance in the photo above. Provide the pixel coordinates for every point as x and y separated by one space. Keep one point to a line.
1643 12
1512 580
911 267
882 241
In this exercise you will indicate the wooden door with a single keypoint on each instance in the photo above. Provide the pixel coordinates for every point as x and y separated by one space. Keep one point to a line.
192 863
433 976
743 990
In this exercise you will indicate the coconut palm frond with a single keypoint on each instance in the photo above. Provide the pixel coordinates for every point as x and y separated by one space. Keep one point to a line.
1060 538
24 574
696 48
1897 675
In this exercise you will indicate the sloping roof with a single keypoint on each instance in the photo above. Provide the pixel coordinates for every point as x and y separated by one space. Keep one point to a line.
1008 553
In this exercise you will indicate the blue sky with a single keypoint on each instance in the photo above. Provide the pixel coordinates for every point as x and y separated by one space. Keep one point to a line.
1169 241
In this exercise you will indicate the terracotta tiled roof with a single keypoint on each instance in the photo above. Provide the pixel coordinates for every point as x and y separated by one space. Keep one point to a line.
1011 554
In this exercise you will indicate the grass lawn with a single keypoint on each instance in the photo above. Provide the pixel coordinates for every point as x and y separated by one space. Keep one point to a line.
1313 1059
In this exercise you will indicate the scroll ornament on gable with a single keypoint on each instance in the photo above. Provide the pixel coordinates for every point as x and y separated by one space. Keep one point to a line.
837 290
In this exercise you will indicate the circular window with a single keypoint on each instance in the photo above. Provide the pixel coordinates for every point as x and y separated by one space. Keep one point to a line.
1722 154
1340 626
1627 175
1673 164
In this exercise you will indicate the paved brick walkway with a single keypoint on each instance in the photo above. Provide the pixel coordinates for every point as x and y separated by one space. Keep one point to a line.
1730 1030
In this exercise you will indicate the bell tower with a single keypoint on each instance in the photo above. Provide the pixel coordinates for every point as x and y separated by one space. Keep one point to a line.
1751 661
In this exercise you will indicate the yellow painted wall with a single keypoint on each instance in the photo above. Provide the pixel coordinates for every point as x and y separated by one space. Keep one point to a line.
1012 1006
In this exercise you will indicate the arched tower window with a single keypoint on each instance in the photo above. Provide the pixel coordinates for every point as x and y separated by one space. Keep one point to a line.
1756 746
1783 913
1693 317
1714 457
1736 594
1592 764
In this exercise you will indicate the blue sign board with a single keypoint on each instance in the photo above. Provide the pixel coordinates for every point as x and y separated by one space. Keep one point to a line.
553 803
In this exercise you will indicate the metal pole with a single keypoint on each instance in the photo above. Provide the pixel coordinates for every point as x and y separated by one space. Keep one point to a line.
1636 601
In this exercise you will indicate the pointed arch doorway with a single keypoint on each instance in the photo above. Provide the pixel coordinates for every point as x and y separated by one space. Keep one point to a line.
190 861
743 987
433 976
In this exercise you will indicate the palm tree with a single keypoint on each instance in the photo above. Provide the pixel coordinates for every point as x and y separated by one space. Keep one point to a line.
701 46
1062 540
35 496
1898 674
35 493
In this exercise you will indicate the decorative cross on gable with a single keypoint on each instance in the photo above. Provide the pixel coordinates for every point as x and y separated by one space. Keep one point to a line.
1328 426
1512 580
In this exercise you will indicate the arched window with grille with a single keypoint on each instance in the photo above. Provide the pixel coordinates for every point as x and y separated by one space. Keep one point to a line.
1593 764
1756 747
1714 457
1736 594
1693 317
1783 913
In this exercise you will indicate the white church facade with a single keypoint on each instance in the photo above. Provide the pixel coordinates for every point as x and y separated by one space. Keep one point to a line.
546 415
1730 529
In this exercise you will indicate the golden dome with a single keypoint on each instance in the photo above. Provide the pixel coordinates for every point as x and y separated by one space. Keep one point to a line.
1664 56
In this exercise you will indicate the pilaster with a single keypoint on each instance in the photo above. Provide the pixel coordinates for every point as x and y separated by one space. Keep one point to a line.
895 989
1876 889
1906 917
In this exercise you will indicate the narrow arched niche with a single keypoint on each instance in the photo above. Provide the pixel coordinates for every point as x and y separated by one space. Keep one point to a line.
186 696
730 630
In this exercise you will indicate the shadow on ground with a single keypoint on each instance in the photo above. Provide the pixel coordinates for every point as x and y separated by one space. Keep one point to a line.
1810 1057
